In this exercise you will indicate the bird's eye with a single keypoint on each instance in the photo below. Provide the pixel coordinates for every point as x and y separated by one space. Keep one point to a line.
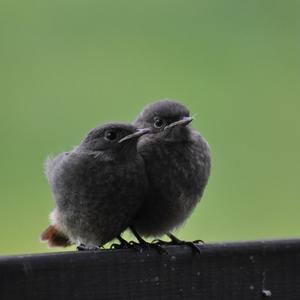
110 135
158 123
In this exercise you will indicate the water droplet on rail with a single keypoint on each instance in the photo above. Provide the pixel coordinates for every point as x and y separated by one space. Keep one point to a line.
267 293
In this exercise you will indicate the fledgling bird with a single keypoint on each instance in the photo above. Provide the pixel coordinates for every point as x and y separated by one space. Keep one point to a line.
97 187
177 160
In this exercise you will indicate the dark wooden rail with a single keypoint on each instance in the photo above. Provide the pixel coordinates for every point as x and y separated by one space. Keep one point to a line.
250 270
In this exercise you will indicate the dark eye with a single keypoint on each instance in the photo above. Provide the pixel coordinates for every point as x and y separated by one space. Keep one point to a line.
158 123
110 135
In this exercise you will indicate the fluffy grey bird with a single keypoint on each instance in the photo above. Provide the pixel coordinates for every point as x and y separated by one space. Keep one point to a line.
98 187
177 160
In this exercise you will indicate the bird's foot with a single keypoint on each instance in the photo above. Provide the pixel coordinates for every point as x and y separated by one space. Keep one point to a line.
123 244
83 247
144 245
192 245
117 246
160 242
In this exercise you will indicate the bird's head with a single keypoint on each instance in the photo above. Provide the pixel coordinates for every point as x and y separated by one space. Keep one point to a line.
112 138
166 118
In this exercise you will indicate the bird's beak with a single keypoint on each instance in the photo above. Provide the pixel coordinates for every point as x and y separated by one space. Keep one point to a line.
183 122
135 135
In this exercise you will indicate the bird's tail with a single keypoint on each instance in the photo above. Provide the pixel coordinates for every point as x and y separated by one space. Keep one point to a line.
55 238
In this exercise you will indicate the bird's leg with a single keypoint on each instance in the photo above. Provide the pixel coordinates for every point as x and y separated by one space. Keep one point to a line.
144 244
83 247
176 241
123 244
141 241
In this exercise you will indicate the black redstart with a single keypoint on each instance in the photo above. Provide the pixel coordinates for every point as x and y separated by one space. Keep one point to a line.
98 187
177 161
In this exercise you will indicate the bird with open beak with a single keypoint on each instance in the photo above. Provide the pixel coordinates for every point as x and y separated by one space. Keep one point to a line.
97 187
177 160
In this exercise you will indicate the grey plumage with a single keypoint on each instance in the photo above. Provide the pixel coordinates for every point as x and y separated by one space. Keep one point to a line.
177 161
98 186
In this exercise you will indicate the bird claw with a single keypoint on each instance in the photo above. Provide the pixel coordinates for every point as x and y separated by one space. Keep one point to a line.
140 247
147 246
160 242
200 242
192 245
142 244
116 246
123 244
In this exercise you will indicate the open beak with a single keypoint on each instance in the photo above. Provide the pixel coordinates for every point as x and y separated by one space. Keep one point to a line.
183 122
135 135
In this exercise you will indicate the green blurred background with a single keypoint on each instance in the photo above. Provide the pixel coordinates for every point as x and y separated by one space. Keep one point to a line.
66 66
